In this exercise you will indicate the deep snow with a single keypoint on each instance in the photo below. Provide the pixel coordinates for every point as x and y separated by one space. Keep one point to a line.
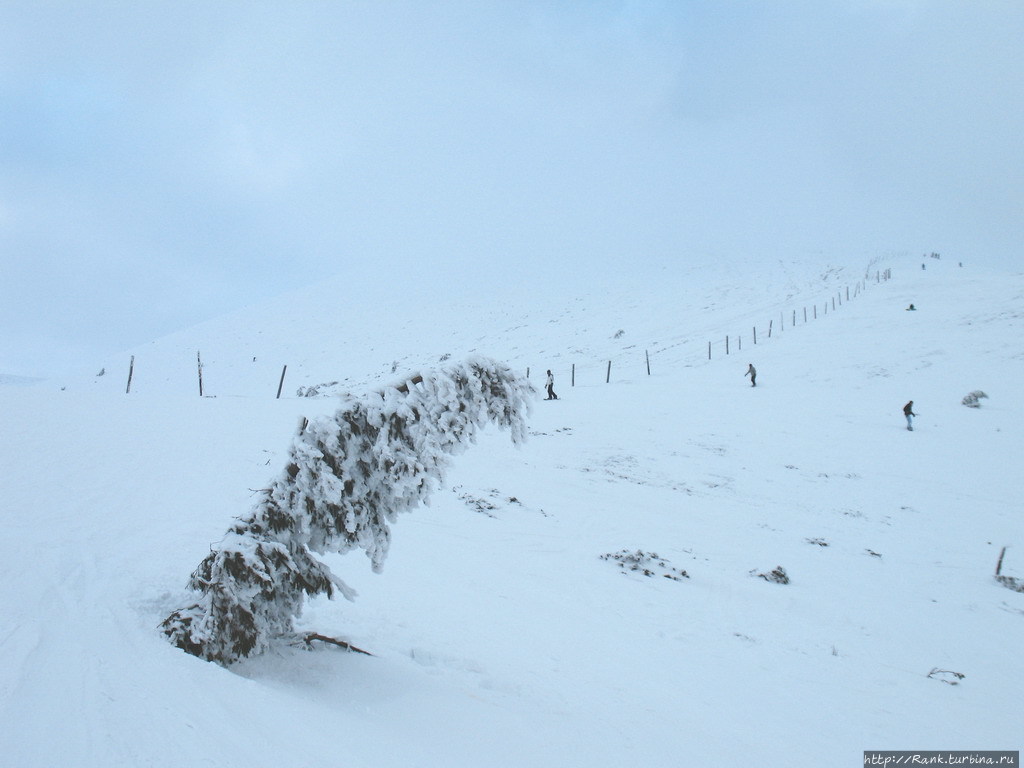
502 638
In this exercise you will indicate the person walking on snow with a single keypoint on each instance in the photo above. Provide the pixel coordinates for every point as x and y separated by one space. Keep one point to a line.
551 387
908 411
752 373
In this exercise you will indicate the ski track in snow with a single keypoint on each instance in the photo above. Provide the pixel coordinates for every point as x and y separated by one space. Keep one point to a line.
501 637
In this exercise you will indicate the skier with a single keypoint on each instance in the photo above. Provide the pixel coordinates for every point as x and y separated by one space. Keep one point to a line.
551 387
752 373
908 411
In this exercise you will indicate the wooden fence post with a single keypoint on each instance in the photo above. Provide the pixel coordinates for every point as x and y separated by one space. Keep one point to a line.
709 350
727 344
280 384
999 564
573 375
131 369
794 317
770 328
527 371
608 378
647 355
755 334
199 365
815 311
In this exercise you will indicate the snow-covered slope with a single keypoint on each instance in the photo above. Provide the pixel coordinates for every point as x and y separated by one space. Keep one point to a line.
505 631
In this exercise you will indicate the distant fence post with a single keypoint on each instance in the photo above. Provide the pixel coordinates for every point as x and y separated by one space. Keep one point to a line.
280 384
647 355
755 334
527 371
770 328
573 375
794 317
199 366
131 369
815 311
727 344
709 350
833 303
608 377
805 314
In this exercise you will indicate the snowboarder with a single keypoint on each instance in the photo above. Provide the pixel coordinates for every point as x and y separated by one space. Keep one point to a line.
908 411
551 387
752 373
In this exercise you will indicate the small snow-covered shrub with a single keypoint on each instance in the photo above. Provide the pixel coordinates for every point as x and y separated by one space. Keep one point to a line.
645 563
777 575
346 479
1011 583
971 399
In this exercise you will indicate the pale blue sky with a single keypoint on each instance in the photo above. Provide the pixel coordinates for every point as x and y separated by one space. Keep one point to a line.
162 163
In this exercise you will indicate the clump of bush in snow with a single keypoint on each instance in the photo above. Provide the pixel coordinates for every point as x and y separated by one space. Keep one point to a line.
971 400
346 479
315 390
1011 583
645 563
777 575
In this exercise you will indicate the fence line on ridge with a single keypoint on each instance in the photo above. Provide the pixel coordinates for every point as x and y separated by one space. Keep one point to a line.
725 346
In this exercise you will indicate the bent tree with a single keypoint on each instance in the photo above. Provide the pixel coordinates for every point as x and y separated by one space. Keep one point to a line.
346 479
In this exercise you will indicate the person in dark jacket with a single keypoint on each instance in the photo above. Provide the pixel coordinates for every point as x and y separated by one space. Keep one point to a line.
908 411
752 373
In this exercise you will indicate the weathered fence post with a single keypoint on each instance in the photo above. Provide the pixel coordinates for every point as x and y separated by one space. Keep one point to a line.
280 384
727 344
527 371
199 366
573 375
770 328
999 564
794 317
647 355
131 369
709 350
815 311
608 377
755 334
805 314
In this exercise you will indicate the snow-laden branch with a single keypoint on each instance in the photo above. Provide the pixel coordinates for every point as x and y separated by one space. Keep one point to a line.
346 479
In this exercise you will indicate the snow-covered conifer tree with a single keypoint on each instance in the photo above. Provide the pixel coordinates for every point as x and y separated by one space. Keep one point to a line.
346 479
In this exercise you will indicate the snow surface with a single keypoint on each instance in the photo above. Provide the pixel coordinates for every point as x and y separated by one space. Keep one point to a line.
501 635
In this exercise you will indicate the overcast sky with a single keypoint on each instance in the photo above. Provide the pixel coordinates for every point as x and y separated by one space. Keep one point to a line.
165 162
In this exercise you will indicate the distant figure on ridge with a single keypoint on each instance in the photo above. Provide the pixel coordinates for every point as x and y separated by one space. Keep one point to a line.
551 387
911 308
752 373
908 411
